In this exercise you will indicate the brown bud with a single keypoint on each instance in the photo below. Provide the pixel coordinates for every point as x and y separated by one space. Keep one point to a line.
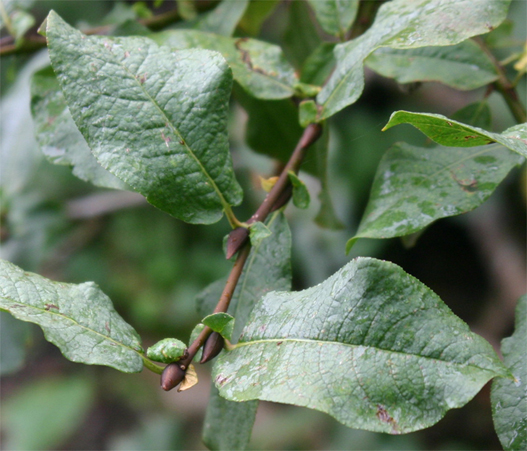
283 198
172 376
212 347
236 240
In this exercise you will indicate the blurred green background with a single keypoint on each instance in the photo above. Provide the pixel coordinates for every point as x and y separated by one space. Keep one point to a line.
152 266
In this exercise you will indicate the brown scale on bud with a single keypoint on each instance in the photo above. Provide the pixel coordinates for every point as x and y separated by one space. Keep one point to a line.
212 347
172 376
237 238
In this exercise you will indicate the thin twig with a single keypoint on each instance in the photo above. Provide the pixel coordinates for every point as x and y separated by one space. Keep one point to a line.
504 86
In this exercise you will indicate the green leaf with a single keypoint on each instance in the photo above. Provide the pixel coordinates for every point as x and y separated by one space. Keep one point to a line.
79 319
187 9
464 66
477 114
318 66
223 323
307 113
258 232
268 267
224 18
405 24
335 16
449 132
44 414
21 22
167 350
58 136
256 14
228 425
273 128
194 334
326 217
509 397
371 346
155 118
259 67
414 186
301 197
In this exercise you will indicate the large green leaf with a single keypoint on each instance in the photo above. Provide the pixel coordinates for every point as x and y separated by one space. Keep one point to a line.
371 346
509 397
405 24
268 267
79 319
224 18
463 66
155 118
414 186
259 67
335 16
58 136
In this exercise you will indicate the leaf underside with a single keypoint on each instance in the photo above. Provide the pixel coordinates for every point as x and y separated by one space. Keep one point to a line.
371 346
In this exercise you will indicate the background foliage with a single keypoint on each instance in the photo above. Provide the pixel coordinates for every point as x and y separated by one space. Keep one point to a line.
153 266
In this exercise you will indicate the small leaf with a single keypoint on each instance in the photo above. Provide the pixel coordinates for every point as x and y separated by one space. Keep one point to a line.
307 113
449 132
415 186
406 24
464 66
59 138
224 18
187 9
21 22
259 67
223 323
167 350
194 334
301 197
267 184
335 16
191 379
371 346
509 397
258 232
79 319
155 118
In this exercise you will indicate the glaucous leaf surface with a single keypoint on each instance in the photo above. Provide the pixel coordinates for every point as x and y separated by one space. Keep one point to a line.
224 18
155 118
268 268
59 138
464 66
79 319
335 16
371 346
415 186
405 24
509 397
449 132
259 67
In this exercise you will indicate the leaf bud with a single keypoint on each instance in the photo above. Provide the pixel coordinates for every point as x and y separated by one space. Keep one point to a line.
236 240
172 376
212 347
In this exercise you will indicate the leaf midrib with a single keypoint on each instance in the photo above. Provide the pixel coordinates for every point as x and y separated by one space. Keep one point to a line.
327 342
